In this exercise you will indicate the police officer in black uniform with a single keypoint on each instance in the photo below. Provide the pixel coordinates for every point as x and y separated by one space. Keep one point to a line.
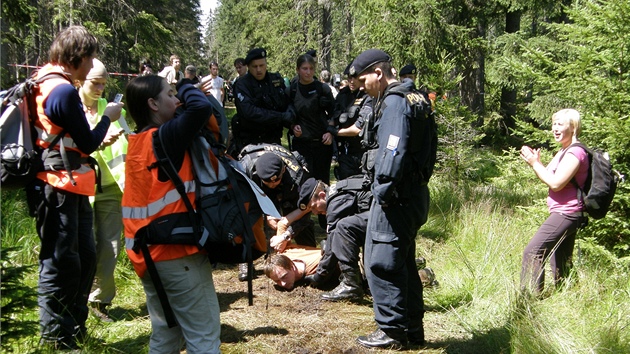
408 71
280 179
346 205
400 159
262 106
352 109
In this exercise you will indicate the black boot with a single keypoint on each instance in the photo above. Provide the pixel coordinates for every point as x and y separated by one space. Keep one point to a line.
416 336
350 287
379 339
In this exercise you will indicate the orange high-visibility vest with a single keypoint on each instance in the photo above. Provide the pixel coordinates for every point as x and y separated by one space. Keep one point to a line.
47 131
146 199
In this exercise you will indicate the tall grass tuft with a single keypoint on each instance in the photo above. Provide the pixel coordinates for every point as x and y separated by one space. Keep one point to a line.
17 298
18 228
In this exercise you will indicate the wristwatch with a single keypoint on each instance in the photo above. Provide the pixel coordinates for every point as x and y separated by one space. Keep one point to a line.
286 236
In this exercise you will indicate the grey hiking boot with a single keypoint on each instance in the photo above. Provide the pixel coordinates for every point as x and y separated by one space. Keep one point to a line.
242 272
427 276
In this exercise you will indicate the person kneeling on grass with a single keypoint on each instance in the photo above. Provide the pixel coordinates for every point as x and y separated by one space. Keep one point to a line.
346 207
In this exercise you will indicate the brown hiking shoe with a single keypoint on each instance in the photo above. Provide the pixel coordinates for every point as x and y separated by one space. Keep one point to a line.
100 310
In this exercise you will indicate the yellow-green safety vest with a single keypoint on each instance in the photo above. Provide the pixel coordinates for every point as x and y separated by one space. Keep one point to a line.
112 158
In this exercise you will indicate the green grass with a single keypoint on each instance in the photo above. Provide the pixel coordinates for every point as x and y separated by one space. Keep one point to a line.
473 240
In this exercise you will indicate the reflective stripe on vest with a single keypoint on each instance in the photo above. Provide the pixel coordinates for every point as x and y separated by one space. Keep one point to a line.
157 206
116 161
114 155
146 198
45 138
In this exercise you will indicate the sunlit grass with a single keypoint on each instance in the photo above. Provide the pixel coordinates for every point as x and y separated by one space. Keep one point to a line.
473 240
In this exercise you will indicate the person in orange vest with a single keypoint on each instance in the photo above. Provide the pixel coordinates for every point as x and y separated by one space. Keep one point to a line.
184 269
59 197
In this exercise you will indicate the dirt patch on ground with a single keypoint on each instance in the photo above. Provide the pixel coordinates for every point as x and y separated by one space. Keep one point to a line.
300 322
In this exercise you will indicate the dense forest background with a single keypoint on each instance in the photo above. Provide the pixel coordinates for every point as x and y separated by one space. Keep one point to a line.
502 66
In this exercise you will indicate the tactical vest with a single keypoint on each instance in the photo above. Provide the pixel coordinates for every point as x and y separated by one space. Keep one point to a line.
422 147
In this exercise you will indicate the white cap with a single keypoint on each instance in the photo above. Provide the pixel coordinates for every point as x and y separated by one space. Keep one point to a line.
98 70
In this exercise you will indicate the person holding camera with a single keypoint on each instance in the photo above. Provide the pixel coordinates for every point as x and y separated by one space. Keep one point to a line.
59 196
184 270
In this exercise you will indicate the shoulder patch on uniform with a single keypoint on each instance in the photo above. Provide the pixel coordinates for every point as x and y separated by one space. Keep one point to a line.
392 142
276 79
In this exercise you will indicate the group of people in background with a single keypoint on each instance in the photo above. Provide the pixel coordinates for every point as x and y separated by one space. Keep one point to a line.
378 129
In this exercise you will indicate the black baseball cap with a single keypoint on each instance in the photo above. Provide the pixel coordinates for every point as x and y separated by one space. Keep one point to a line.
366 59
346 71
408 69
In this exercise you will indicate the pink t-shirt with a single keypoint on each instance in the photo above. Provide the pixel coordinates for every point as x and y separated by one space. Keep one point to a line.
566 199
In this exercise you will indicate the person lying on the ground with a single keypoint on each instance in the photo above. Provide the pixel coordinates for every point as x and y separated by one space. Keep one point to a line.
290 267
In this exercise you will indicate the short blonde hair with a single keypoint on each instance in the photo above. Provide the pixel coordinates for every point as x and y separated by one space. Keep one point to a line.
573 116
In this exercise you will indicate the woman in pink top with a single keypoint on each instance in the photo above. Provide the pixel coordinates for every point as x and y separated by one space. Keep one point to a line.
556 236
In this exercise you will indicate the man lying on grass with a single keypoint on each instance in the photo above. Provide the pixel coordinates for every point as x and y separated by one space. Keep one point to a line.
296 264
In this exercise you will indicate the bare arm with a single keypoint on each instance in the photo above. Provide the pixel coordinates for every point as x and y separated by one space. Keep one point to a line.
352 130
567 168
279 242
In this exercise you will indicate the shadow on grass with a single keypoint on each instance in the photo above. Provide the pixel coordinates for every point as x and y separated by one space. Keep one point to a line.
129 345
494 341
230 334
127 314
227 299
433 234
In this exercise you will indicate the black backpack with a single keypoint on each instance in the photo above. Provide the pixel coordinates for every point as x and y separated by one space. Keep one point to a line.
219 222
601 183
21 158
423 129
